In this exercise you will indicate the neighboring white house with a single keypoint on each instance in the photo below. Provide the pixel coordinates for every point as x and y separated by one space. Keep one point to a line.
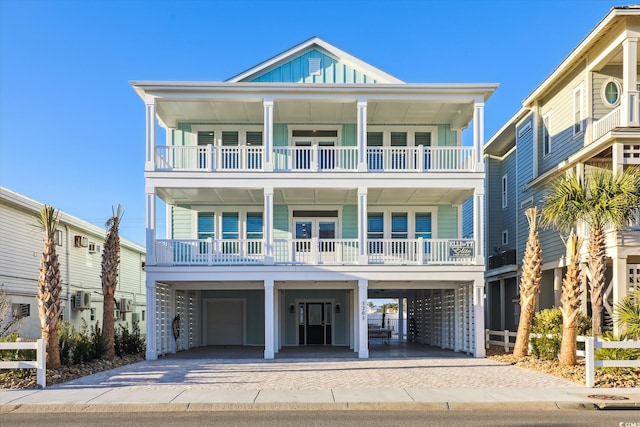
300 188
583 116
79 249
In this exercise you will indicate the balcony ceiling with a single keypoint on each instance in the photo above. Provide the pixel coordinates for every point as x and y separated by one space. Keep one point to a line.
172 112
315 197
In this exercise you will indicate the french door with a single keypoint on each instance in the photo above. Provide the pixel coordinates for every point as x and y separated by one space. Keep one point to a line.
305 140
307 230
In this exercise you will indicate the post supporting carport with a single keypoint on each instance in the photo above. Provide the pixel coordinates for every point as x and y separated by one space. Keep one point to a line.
269 335
363 327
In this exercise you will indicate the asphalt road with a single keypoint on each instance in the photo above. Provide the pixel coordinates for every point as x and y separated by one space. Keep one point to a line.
584 418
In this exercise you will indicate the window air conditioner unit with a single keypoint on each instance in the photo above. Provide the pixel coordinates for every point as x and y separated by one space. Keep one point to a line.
125 304
80 241
93 248
20 310
82 300
123 316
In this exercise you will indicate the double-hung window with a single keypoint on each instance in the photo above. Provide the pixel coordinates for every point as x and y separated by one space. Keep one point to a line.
505 193
230 231
254 155
546 135
255 231
423 229
230 151
399 231
375 232
577 111
374 151
206 229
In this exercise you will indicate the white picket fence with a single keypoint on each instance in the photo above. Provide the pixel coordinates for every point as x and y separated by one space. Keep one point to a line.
40 363
591 344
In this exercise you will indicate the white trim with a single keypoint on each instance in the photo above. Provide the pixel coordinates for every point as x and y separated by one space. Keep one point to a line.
294 127
218 211
410 130
411 218
603 93
292 208
546 131
504 190
218 129
578 90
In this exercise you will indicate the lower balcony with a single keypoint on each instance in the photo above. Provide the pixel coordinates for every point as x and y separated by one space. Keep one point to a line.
211 252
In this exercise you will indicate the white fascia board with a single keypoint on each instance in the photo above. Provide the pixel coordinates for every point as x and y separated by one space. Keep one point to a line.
329 48
258 91
24 202
578 52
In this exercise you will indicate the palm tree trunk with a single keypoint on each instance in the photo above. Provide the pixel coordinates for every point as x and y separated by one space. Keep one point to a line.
571 300
108 323
529 283
597 266
568 346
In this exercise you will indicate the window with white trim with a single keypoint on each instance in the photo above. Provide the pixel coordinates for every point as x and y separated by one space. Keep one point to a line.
546 134
577 111
504 191
611 90
505 237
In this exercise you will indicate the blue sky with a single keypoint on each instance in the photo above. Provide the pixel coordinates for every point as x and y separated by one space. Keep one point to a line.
72 129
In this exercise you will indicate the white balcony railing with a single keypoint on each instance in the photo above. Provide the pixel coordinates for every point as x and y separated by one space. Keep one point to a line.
605 124
209 158
314 251
313 158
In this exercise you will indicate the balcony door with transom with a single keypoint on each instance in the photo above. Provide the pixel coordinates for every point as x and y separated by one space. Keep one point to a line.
304 142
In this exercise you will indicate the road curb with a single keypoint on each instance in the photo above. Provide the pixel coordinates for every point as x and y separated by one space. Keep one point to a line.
294 406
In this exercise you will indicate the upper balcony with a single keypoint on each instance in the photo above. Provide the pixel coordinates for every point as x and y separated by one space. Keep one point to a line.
211 158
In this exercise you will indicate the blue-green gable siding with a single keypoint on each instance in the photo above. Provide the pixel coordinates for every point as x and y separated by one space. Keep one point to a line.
297 71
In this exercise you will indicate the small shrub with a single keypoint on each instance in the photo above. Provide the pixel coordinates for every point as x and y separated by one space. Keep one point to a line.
81 346
128 343
549 322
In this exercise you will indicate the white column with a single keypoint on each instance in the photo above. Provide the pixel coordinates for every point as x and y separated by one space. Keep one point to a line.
150 226
276 319
363 258
150 113
151 319
557 286
478 313
363 327
503 307
617 157
353 321
362 135
629 99
478 224
401 319
268 225
478 133
269 352
620 280
268 135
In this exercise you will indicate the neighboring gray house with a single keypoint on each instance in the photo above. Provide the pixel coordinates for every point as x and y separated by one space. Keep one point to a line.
583 116
79 249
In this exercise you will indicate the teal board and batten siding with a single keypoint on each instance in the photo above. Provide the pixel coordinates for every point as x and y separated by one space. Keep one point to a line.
446 136
254 314
280 222
448 222
297 71
559 103
340 320
181 222
350 222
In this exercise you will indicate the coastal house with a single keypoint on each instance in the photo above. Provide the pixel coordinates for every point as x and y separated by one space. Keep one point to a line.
301 187
583 116
79 248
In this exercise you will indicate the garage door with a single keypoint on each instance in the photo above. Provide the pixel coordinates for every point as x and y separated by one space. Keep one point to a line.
225 323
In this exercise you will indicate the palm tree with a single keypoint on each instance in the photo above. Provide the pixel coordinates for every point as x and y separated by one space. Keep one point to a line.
603 199
627 315
49 285
529 283
110 263
570 301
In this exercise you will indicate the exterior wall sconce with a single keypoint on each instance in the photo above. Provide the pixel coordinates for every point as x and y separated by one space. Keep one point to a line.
292 309
337 308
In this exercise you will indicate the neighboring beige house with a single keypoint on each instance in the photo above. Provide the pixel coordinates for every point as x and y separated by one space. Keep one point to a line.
80 254
583 116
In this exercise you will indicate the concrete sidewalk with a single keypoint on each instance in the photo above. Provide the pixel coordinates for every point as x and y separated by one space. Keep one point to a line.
458 383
